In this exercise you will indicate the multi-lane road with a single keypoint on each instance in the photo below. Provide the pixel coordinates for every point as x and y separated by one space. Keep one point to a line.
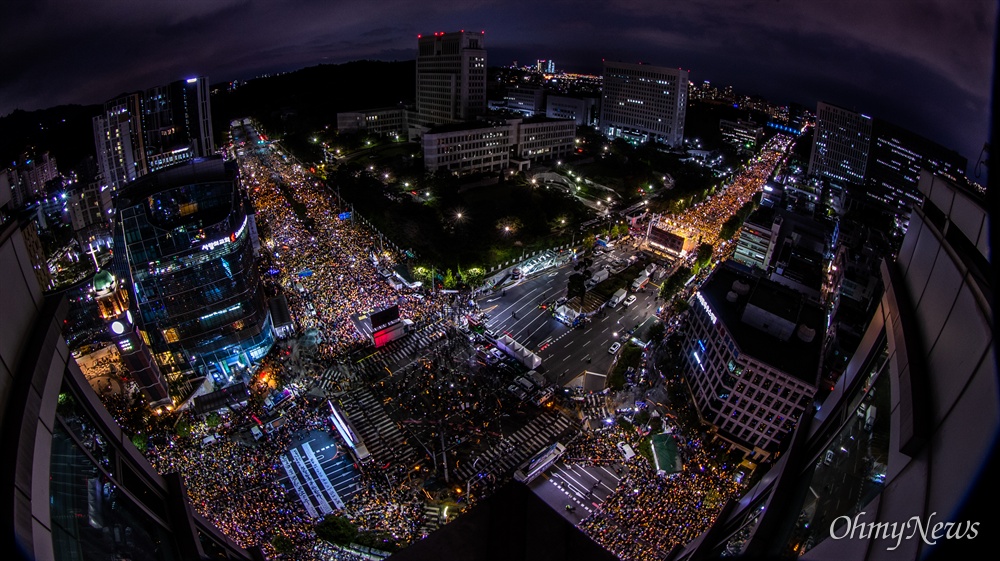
565 352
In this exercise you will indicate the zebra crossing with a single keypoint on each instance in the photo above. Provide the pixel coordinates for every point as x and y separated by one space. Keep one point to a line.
401 351
595 406
382 437
512 451
431 519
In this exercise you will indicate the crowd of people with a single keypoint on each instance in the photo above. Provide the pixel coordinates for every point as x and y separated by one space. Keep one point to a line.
648 514
707 217
329 266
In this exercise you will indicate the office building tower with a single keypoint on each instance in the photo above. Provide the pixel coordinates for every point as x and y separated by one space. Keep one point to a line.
75 486
182 239
142 132
177 122
451 77
894 163
909 429
841 144
643 103
752 356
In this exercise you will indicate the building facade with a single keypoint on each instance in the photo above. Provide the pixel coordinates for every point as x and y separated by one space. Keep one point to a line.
582 110
744 134
910 429
894 163
495 145
757 240
75 488
386 121
841 144
142 132
642 103
451 77
526 100
753 355
183 242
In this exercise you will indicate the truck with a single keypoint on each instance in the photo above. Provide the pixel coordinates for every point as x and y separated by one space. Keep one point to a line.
640 281
617 298
599 276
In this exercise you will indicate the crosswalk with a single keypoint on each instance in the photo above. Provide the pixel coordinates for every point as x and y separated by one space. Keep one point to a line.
595 406
382 437
341 376
397 353
512 451
431 519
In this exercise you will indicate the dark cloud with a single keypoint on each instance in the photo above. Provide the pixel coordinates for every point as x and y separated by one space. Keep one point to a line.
926 64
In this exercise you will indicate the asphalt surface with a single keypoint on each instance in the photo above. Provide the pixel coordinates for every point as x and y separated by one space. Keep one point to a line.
565 351
584 488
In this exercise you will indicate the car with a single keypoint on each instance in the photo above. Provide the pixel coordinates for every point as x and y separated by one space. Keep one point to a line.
829 457
614 348
630 300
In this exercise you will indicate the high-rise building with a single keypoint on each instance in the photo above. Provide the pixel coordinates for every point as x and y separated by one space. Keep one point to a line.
643 103
894 163
182 239
451 77
118 139
909 432
752 356
177 122
841 144
90 214
75 487
142 132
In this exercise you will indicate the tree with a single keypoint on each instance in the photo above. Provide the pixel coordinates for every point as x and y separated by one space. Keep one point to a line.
449 280
576 286
474 276
213 420
656 331
336 529
183 428
674 283
282 544
140 442
703 258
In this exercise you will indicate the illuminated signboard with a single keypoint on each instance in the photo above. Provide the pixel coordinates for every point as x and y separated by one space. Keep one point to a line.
232 237
708 310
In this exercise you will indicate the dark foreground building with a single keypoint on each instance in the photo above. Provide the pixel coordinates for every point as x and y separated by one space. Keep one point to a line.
75 488
513 524
909 433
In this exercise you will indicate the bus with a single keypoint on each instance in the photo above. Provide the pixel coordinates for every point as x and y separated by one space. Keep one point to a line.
539 463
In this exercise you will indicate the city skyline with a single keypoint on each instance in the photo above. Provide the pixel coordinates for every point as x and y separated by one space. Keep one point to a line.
899 62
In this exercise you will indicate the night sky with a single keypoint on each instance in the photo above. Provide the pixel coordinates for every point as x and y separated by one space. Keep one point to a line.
926 64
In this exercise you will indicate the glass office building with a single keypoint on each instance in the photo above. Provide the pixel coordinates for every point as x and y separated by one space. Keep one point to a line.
75 487
183 247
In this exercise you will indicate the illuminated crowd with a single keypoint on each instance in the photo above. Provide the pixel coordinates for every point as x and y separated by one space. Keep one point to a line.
329 266
706 218
648 514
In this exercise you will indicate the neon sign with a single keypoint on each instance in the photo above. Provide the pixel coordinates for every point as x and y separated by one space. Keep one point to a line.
708 310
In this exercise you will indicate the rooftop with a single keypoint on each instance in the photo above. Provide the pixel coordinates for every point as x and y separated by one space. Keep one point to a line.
794 356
